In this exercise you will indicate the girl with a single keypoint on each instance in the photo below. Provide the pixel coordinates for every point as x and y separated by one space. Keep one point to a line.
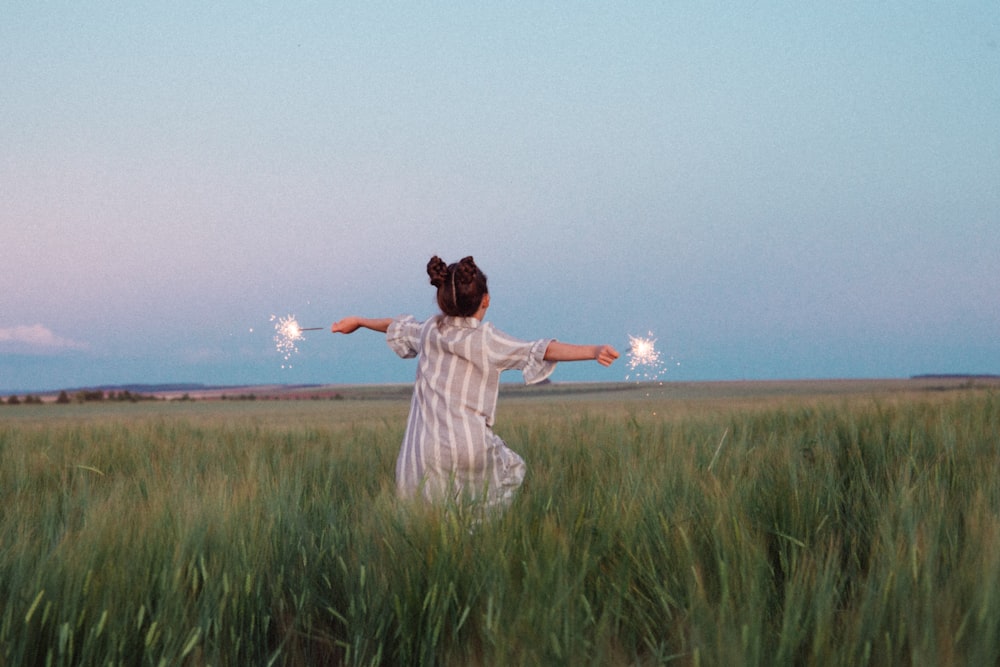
450 452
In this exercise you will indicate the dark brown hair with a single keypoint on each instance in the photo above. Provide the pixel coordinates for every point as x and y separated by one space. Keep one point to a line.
460 286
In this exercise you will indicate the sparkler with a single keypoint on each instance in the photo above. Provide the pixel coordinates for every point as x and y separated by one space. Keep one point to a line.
287 333
643 358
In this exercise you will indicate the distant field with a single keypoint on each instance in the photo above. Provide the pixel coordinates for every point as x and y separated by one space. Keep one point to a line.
334 403
722 390
753 389
753 523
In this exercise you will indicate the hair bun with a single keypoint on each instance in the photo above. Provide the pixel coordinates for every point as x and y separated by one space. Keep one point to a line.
466 270
437 270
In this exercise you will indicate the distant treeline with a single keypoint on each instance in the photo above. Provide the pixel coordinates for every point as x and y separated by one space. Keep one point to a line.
126 396
83 396
955 376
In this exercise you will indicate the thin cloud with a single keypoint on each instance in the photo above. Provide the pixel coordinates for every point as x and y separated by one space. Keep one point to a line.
36 337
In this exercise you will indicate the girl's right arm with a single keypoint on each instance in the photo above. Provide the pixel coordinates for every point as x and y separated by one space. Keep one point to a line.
353 323
602 354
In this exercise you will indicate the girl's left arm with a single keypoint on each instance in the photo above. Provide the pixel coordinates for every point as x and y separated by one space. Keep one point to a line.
602 354
353 323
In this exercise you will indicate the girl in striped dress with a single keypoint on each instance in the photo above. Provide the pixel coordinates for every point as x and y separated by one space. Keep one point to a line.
450 453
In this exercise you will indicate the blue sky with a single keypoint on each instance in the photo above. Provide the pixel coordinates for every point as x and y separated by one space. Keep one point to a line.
773 190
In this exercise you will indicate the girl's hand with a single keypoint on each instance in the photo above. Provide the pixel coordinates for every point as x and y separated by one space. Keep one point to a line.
346 325
606 354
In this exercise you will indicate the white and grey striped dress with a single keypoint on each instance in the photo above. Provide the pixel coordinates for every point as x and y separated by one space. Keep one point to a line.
449 451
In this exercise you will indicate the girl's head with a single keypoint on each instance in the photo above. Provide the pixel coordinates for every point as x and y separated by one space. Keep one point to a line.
460 286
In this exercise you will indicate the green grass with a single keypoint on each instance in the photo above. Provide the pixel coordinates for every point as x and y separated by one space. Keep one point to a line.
801 529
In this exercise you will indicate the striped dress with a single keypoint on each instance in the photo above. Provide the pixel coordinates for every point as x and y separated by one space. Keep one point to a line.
450 452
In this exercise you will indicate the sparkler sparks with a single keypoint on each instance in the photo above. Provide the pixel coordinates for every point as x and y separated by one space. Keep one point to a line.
287 333
644 360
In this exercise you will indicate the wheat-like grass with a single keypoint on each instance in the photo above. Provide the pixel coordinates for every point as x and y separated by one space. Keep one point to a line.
814 529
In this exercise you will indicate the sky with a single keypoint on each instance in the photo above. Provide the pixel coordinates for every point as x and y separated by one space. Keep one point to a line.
773 190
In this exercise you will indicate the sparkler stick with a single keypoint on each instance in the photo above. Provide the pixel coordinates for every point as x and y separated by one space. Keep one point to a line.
311 328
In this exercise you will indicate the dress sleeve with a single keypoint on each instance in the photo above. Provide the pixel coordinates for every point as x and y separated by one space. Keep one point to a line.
403 336
511 353
537 369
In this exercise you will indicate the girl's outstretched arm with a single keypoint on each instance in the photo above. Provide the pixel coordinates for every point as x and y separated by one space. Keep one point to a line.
353 323
602 354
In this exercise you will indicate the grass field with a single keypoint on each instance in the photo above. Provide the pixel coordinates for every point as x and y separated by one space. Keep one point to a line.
835 523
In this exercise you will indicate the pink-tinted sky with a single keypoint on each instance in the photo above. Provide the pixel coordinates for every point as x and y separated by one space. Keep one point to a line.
775 191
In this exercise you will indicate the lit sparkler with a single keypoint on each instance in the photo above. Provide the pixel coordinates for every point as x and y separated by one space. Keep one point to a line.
643 358
287 333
